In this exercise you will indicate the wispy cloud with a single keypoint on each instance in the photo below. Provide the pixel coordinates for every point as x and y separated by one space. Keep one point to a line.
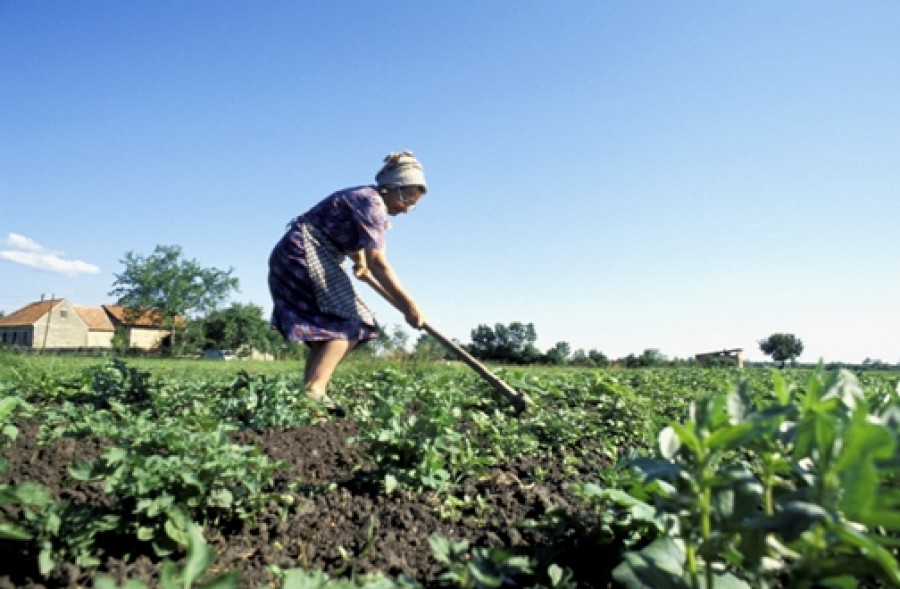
27 252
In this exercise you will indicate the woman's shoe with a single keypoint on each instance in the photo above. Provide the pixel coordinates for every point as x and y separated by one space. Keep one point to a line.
330 406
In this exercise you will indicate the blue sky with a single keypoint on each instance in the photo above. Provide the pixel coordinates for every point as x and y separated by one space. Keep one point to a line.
625 175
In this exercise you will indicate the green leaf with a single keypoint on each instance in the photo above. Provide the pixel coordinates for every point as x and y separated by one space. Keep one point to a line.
9 431
27 493
659 565
730 436
46 563
191 480
688 437
739 495
485 578
390 484
885 517
104 582
84 470
657 469
145 533
555 572
227 580
175 530
669 443
737 405
871 550
9 531
115 455
793 518
221 498
864 442
781 390
7 405
169 575
301 579
107 582
199 556
728 581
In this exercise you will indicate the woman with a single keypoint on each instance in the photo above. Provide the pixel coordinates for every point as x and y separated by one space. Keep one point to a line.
314 301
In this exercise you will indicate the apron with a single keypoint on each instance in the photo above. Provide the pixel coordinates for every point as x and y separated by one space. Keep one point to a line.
334 292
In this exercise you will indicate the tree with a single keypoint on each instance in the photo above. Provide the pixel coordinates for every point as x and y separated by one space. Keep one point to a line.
558 354
598 358
649 358
652 357
580 358
391 343
592 358
239 327
512 343
170 285
399 339
427 347
782 347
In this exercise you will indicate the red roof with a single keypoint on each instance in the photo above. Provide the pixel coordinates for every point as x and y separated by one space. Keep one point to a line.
29 314
95 317
137 318
101 318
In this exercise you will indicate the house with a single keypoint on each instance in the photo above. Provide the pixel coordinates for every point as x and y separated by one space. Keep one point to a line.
100 327
143 328
709 358
52 323
58 324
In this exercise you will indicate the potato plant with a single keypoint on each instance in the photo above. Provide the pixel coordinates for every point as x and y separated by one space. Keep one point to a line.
680 478
800 490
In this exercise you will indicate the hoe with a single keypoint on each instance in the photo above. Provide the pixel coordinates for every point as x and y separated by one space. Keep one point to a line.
520 401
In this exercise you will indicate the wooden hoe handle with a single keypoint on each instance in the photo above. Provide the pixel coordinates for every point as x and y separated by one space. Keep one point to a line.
519 400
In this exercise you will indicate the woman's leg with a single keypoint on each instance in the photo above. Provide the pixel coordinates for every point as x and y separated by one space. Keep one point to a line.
321 362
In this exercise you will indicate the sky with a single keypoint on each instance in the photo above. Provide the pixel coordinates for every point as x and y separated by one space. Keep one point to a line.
678 176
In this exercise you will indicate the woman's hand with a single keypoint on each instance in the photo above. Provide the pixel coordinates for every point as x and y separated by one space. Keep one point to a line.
381 276
360 269
414 317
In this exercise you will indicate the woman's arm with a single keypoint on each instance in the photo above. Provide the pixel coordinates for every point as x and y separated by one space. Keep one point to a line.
375 264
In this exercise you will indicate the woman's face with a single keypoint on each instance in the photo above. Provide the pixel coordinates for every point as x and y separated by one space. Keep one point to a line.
402 200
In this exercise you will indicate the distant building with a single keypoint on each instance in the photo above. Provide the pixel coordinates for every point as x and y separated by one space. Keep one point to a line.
55 324
734 355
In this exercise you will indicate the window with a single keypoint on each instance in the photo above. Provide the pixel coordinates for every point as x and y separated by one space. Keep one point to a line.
63 314
25 339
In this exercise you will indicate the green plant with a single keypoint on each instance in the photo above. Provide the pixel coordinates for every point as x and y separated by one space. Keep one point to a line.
258 402
59 530
303 579
454 508
200 558
65 532
169 476
477 567
23 494
414 440
115 380
815 503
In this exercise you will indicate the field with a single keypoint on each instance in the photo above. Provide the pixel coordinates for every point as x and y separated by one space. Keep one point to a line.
221 474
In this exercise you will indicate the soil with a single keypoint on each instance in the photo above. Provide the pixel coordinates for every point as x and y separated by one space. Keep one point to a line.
339 522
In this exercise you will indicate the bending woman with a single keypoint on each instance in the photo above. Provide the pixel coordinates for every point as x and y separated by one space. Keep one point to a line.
314 301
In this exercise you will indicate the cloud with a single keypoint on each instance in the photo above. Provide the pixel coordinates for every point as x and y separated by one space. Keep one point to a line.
27 252
20 242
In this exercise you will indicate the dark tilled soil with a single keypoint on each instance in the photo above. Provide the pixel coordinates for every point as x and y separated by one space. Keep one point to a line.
339 521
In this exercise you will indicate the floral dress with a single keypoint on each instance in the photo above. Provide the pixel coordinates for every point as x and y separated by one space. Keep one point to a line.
313 297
